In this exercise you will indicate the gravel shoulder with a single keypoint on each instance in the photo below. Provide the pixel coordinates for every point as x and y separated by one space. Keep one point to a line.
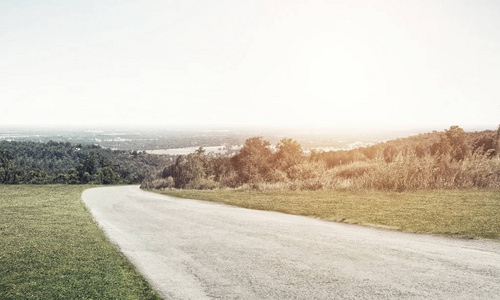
190 249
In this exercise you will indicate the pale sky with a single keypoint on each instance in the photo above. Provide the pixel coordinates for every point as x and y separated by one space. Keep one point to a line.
244 63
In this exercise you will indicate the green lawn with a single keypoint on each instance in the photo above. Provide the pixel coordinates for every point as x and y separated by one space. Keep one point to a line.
457 213
50 248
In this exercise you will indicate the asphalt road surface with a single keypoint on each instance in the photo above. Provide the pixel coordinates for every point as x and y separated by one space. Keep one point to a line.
189 249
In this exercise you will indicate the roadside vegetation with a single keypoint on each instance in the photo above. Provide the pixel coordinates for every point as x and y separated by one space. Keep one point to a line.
445 183
52 249
468 213
452 159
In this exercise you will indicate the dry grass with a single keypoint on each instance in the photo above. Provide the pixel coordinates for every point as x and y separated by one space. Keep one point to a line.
458 213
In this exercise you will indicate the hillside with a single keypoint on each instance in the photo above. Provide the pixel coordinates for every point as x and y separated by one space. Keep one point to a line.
63 162
449 159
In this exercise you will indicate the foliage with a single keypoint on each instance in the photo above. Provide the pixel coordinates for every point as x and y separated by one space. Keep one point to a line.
289 154
7 170
54 162
253 161
158 183
438 160
188 170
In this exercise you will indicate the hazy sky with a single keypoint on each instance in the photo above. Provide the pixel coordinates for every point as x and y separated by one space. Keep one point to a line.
270 63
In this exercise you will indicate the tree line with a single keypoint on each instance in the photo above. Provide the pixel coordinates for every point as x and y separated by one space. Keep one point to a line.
450 159
59 162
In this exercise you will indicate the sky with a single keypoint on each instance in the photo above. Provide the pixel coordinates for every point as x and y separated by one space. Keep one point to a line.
250 63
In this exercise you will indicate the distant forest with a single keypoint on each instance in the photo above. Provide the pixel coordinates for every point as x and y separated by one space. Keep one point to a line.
58 162
438 160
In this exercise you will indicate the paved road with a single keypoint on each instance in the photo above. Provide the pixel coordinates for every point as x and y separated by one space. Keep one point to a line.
191 249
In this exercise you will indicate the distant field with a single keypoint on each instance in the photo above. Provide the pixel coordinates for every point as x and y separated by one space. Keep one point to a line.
457 213
50 248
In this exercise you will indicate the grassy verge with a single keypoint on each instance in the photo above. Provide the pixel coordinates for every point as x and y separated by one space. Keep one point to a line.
50 248
457 213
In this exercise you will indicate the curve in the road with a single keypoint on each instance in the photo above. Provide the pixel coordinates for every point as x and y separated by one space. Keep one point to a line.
190 249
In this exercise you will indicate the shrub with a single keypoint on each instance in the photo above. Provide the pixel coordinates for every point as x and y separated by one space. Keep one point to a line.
158 184
354 170
307 170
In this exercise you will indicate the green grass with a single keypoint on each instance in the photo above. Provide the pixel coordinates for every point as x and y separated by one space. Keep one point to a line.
50 248
457 213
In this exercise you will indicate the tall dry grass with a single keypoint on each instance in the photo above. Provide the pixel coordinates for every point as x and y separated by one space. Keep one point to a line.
410 172
450 163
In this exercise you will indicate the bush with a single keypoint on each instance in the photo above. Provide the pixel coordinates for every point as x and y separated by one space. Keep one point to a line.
307 170
158 184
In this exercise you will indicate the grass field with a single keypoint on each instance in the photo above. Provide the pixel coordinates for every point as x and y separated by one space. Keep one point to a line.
457 213
50 248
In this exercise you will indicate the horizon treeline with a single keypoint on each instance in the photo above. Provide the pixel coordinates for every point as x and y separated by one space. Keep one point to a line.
66 163
438 160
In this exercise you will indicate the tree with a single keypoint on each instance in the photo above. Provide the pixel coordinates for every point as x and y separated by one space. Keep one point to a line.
390 153
188 169
288 155
73 177
453 142
440 148
7 170
81 170
61 178
37 177
485 144
91 163
219 167
108 176
252 163
86 178
456 138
